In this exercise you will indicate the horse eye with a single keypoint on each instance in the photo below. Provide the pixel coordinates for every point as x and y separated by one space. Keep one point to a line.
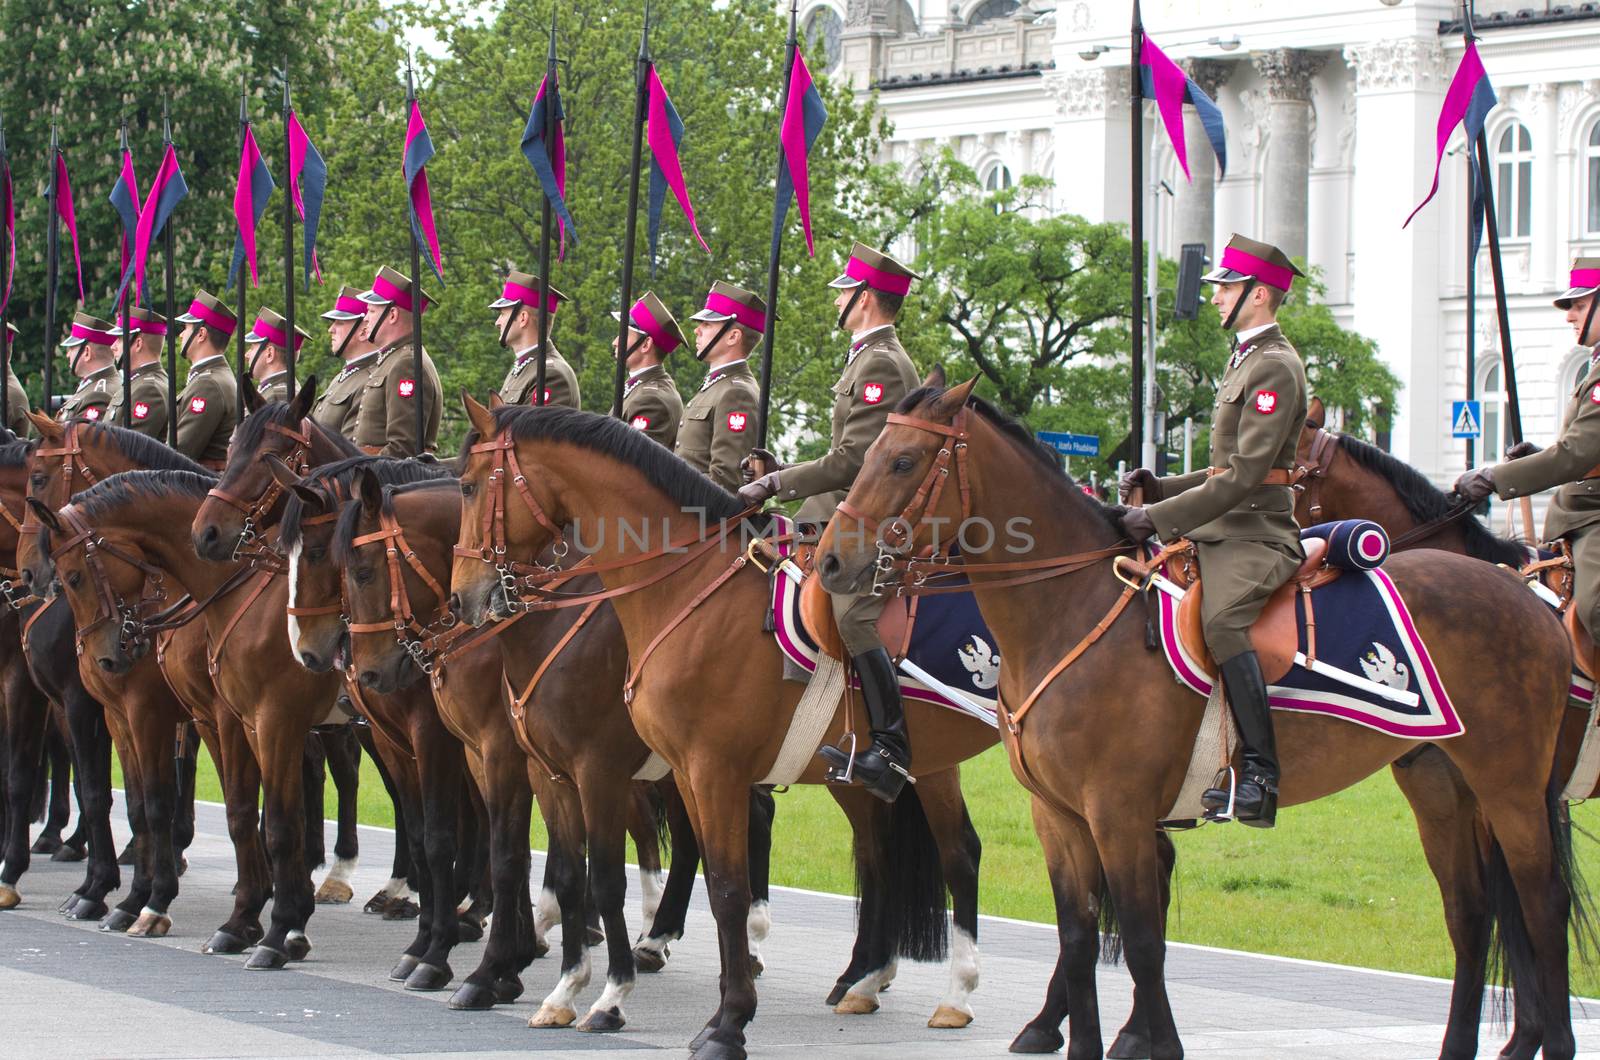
467 489
363 575
902 465
73 578
315 555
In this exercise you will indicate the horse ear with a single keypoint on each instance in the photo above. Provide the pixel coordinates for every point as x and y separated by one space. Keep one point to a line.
45 514
252 396
281 472
481 418
310 499
935 377
369 489
46 426
301 406
496 401
1316 414
950 403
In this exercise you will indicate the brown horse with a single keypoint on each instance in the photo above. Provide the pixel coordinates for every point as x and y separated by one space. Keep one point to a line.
528 471
1097 780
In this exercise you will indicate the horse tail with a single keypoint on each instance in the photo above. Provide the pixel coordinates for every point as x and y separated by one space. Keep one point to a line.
914 894
657 804
39 805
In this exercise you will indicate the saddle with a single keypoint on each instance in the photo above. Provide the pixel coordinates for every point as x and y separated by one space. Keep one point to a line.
816 608
1556 575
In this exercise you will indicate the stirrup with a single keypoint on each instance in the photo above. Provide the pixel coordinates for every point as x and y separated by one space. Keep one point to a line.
841 763
1227 779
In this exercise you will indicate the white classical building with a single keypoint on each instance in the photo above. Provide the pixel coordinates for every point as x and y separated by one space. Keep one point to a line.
1331 108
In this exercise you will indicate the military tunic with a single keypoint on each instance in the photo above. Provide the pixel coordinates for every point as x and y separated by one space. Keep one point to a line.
208 410
89 401
386 423
651 403
560 381
1575 509
721 423
337 409
274 387
149 394
17 405
1246 536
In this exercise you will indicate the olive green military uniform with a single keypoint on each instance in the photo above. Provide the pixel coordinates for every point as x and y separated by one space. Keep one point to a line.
274 387
651 403
89 401
878 374
386 423
560 381
148 415
1247 539
339 409
721 423
16 404
208 410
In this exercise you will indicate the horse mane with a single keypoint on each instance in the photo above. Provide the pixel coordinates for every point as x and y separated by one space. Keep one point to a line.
612 437
14 451
336 478
145 451
253 429
1426 503
129 487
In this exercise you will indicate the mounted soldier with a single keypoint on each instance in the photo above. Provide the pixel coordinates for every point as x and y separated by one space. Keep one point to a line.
94 364
518 322
386 421
337 409
208 408
650 399
148 391
268 351
1239 512
1572 465
723 417
877 374
16 396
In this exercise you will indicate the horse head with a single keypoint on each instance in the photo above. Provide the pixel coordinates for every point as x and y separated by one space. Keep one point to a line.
249 499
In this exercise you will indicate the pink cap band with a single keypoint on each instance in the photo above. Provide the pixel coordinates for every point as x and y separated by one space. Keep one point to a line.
348 304
105 338
1585 278
877 279
211 317
646 322
746 315
528 296
390 293
148 327
1247 263
274 336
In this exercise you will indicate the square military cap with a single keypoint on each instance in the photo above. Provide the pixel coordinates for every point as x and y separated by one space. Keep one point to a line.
1583 280
875 269
649 315
348 306
726 302
1245 259
523 289
271 327
86 328
142 321
391 287
211 311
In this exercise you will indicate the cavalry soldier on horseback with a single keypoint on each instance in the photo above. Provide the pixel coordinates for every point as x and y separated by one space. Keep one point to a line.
1573 463
723 416
148 393
95 365
337 408
1239 512
269 354
877 374
519 330
386 422
16 397
208 408
650 399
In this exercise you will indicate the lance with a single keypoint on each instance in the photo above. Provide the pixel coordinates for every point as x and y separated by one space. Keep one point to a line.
769 339
5 284
240 369
127 340
170 249
51 266
641 88
288 237
416 285
1136 231
545 220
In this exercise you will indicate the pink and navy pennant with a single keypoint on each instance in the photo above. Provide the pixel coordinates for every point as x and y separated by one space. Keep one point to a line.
803 118
163 197
125 200
549 160
308 183
419 148
8 212
249 203
1164 81
69 216
664 131
1467 103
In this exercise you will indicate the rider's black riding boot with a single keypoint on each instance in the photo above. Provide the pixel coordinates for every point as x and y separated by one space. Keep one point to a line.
1256 793
881 768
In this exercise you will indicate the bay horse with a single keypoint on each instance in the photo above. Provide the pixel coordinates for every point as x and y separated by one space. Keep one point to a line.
719 726
1099 780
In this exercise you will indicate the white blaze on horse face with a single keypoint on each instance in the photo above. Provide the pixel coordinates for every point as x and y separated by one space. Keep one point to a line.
294 585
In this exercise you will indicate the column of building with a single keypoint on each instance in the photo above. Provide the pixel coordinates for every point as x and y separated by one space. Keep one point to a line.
1286 176
1195 202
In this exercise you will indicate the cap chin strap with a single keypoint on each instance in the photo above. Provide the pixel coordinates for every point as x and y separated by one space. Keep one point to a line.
855 296
251 368
193 332
1588 319
1233 314
701 353
377 325
638 344
345 342
505 331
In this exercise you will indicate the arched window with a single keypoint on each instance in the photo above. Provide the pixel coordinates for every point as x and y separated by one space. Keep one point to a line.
998 178
991 10
1514 210
822 29
1591 166
1493 396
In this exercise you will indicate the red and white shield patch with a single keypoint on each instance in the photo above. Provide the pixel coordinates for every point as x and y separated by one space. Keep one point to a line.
197 405
547 396
1266 401
1594 395
640 423
141 410
91 414
736 421
406 388
872 393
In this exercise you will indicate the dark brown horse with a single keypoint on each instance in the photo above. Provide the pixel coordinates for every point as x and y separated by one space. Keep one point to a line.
527 472
1098 780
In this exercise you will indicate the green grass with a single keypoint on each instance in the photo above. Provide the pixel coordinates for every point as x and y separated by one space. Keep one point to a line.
1340 880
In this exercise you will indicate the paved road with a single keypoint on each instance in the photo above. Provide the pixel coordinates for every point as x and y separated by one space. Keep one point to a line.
69 991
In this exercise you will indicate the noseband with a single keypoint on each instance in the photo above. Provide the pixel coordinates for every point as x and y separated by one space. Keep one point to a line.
514 574
249 547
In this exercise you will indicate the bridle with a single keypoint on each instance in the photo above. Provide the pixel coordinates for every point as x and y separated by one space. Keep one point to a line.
135 621
1308 475
514 575
904 527
418 640
250 547
73 467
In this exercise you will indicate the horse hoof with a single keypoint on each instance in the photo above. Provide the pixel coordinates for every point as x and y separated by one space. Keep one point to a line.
553 1016
129 855
225 942
334 892
471 997
151 925
508 989
299 947
1129 1046
87 909
429 977
470 928
68 902
603 1021
68 852
377 904
118 919
856 1005
401 909
9 897
541 948
837 994
266 959
700 1040
715 1050
756 966
1037 1040
646 959
596 937
403 968
948 1017
46 844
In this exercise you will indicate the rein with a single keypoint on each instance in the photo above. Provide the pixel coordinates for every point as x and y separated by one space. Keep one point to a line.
417 639
1309 475
112 607
252 547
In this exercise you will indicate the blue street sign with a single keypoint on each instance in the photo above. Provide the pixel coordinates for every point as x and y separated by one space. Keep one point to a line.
1071 444
1466 419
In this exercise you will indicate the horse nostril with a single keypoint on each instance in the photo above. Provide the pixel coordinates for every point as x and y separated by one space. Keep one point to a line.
369 678
455 604
106 664
829 564
310 661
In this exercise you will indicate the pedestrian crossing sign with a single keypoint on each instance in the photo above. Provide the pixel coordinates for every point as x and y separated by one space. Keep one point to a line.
1466 419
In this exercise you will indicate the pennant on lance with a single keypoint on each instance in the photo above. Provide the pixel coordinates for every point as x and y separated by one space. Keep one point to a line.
803 118
69 216
125 200
249 203
1164 81
419 149
549 160
168 189
1467 103
308 183
8 211
664 130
